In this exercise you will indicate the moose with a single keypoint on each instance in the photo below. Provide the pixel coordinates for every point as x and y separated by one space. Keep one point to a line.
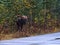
20 22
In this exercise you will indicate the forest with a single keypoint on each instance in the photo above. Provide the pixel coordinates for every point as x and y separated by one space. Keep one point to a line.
43 17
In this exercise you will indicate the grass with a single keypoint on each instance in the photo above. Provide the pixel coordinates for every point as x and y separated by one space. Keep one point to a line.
32 31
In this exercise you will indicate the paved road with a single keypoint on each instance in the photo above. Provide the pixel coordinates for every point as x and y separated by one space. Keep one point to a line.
47 39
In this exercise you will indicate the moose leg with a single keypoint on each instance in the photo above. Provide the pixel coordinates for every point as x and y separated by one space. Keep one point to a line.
21 27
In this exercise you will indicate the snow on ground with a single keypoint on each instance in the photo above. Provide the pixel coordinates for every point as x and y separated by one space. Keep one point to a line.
47 39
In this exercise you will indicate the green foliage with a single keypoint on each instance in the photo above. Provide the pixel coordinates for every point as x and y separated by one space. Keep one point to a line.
37 10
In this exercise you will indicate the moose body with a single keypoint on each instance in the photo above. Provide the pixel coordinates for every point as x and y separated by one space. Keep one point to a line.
20 22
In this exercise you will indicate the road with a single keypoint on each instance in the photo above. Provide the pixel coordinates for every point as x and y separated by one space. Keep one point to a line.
46 39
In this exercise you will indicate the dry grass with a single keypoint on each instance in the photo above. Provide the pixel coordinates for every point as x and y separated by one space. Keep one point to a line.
26 33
